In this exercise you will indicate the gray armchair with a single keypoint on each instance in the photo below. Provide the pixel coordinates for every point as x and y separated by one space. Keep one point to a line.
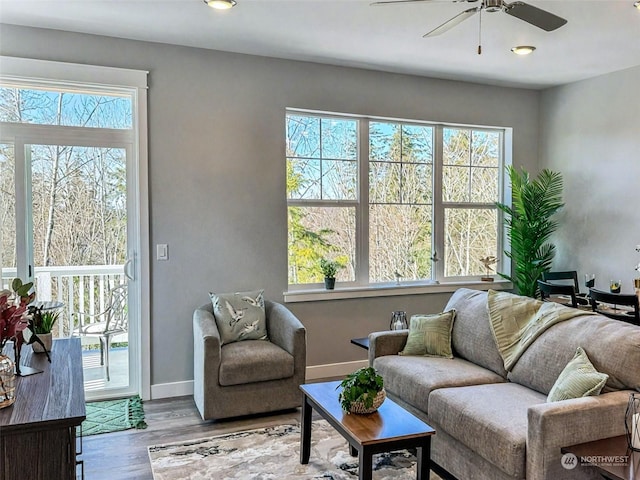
251 376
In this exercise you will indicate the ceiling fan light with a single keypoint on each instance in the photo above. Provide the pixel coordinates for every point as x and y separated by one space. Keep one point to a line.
523 49
221 4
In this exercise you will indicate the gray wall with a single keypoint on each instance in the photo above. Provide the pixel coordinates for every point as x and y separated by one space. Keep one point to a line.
217 172
591 133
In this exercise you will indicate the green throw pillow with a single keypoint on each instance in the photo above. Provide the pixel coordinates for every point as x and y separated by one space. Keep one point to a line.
430 335
240 316
578 379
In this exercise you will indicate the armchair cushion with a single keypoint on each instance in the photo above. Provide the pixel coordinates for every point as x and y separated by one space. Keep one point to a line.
240 316
253 361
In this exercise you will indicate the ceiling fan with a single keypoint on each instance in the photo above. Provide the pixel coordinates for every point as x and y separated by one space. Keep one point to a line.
535 16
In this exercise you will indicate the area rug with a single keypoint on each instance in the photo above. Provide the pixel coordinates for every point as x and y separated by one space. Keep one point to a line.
273 454
113 416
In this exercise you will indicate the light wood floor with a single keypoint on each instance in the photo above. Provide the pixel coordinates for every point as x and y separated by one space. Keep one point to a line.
123 455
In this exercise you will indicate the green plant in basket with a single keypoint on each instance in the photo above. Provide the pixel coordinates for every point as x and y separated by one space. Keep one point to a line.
360 386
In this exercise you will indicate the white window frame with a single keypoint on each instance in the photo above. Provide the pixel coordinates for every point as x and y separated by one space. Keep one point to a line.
361 287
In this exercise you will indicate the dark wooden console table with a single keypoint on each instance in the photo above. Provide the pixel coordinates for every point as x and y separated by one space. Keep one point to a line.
38 432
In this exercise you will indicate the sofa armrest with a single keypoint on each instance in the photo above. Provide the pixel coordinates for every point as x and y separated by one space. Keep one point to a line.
554 425
386 343
286 331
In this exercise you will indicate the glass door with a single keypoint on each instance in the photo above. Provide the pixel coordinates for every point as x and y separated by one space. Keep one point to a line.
78 230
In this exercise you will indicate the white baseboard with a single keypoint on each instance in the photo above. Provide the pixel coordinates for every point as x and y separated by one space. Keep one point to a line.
168 390
314 372
334 369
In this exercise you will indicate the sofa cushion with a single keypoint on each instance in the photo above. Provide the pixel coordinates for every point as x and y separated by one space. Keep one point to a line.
240 316
430 335
471 336
601 337
413 378
488 419
253 361
578 379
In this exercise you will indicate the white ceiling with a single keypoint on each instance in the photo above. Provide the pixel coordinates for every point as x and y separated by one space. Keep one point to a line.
601 36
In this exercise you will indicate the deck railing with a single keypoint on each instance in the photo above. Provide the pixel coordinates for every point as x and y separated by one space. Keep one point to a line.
80 288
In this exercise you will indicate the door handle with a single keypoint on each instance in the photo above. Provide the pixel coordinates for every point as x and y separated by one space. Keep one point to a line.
127 264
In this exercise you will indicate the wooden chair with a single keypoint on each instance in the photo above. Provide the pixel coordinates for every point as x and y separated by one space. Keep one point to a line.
547 290
566 278
599 297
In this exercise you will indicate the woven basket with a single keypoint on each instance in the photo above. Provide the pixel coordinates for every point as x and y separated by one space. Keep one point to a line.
359 408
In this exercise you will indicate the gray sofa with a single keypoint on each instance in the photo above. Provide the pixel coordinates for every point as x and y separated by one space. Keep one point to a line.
494 425
251 376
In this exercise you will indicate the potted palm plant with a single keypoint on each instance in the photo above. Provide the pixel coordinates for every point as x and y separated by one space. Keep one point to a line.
529 225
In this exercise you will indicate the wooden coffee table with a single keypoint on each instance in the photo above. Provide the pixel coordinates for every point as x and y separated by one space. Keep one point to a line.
390 428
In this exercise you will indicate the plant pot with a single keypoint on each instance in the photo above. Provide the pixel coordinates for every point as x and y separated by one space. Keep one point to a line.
7 382
359 407
47 339
329 283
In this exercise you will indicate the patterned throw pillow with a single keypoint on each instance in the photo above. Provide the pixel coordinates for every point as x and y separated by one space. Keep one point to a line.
240 316
430 335
578 379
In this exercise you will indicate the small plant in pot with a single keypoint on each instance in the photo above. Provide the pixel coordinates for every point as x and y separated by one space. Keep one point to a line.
329 269
43 322
362 391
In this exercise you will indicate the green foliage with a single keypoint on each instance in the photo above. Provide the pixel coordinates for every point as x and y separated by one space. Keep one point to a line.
43 322
529 226
329 267
360 386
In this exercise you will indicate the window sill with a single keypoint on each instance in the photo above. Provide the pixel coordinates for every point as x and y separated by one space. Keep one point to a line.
317 295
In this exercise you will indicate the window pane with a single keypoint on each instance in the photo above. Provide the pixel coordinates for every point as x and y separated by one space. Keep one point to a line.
339 180
417 144
384 141
416 183
303 179
484 185
384 182
399 241
455 184
339 139
303 136
456 144
470 234
7 215
79 205
485 149
46 107
316 232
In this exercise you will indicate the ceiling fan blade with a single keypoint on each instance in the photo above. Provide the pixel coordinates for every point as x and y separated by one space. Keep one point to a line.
400 2
535 16
449 24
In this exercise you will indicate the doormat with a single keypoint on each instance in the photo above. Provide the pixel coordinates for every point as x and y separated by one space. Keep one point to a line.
273 453
113 416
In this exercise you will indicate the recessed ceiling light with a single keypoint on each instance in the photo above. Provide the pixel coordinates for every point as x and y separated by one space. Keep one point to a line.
523 49
221 4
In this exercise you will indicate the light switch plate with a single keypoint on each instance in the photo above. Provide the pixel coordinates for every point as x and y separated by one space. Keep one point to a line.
162 251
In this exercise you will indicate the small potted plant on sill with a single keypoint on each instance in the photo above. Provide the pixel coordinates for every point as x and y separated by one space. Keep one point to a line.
362 391
329 269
